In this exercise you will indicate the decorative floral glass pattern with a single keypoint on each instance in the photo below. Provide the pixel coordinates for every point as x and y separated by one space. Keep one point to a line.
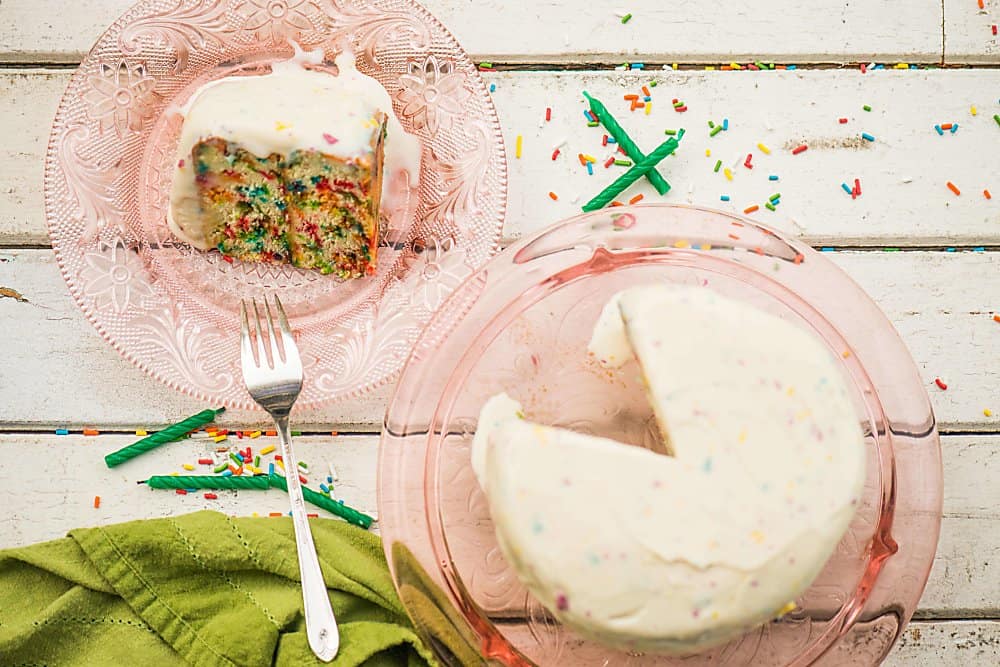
115 275
432 95
174 310
120 95
278 20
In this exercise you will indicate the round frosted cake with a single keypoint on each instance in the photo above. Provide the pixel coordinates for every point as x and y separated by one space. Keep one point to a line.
680 552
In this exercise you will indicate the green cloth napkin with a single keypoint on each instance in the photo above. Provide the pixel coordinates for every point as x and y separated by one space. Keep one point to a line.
205 588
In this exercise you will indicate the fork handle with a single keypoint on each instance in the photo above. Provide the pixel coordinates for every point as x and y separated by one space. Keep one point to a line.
321 626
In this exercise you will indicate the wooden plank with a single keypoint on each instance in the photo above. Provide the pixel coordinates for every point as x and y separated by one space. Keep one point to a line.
940 302
778 109
28 101
947 644
945 321
965 578
554 31
60 365
903 173
50 481
68 471
968 29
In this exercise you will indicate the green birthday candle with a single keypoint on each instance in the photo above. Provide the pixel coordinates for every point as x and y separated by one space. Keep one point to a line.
169 434
625 141
345 512
631 176
258 482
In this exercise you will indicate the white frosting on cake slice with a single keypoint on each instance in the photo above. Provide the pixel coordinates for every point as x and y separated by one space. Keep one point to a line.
291 108
678 553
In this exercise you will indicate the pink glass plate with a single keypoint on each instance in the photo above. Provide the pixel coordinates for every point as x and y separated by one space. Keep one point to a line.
521 325
173 310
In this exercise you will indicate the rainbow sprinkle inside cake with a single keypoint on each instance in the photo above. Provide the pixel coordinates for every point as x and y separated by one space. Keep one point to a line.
289 167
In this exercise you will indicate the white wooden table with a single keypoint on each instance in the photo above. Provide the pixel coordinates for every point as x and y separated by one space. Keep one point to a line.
55 372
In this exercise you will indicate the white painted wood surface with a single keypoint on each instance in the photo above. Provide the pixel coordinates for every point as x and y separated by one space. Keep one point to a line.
28 102
941 303
553 31
56 371
947 644
968 34
66 498
905 200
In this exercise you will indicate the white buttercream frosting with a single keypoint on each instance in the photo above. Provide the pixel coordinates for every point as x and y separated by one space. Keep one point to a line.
679 553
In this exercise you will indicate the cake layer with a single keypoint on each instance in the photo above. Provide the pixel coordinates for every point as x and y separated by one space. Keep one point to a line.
333 211
312 210
243 200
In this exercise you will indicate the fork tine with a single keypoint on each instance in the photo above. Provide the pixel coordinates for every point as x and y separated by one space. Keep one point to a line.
288 340
276 348
263 347
247 350
282 320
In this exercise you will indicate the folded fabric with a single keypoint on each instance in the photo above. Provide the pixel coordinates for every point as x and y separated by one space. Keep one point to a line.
203 588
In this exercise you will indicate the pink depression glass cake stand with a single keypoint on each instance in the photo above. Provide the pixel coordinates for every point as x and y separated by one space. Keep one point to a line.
173 310
521 325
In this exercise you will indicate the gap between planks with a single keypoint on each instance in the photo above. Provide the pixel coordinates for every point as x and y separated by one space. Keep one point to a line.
648 66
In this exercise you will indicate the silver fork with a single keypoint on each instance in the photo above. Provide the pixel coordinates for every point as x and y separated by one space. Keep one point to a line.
272 371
